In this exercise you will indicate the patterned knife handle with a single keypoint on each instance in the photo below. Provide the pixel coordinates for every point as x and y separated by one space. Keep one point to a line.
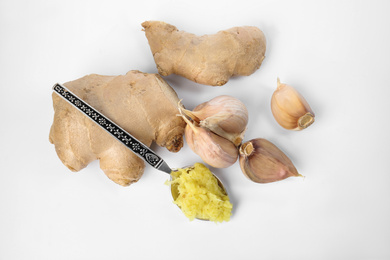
125 138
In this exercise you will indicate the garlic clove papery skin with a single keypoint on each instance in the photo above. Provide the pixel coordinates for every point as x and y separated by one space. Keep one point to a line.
262 162
290 109
214 150
224 115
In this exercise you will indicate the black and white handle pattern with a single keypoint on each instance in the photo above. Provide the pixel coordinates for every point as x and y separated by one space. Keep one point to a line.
127 139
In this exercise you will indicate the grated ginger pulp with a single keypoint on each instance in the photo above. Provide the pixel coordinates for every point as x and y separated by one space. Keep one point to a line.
198 195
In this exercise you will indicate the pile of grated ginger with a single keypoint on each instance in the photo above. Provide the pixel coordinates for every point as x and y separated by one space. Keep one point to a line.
197 193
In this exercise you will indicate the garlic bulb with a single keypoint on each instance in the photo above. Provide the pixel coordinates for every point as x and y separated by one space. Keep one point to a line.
214 150
290 109
263 162
224 115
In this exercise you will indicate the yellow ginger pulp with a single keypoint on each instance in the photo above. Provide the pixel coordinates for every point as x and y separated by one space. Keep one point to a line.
197 193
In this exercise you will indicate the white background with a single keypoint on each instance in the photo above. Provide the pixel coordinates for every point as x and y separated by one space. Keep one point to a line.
336 53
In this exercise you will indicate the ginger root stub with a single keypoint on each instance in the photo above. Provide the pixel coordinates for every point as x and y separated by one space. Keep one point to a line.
142 104
208 59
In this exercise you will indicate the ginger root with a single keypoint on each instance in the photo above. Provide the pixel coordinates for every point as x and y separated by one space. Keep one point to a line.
208 59
142 104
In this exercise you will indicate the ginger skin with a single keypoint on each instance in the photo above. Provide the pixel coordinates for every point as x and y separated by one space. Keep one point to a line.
208 59
142 104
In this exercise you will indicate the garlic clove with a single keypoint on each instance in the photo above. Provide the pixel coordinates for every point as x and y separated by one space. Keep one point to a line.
290 109
214 150
224 115
262 162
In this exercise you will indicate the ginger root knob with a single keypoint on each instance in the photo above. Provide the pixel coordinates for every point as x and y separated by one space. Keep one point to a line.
142 104
208 59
